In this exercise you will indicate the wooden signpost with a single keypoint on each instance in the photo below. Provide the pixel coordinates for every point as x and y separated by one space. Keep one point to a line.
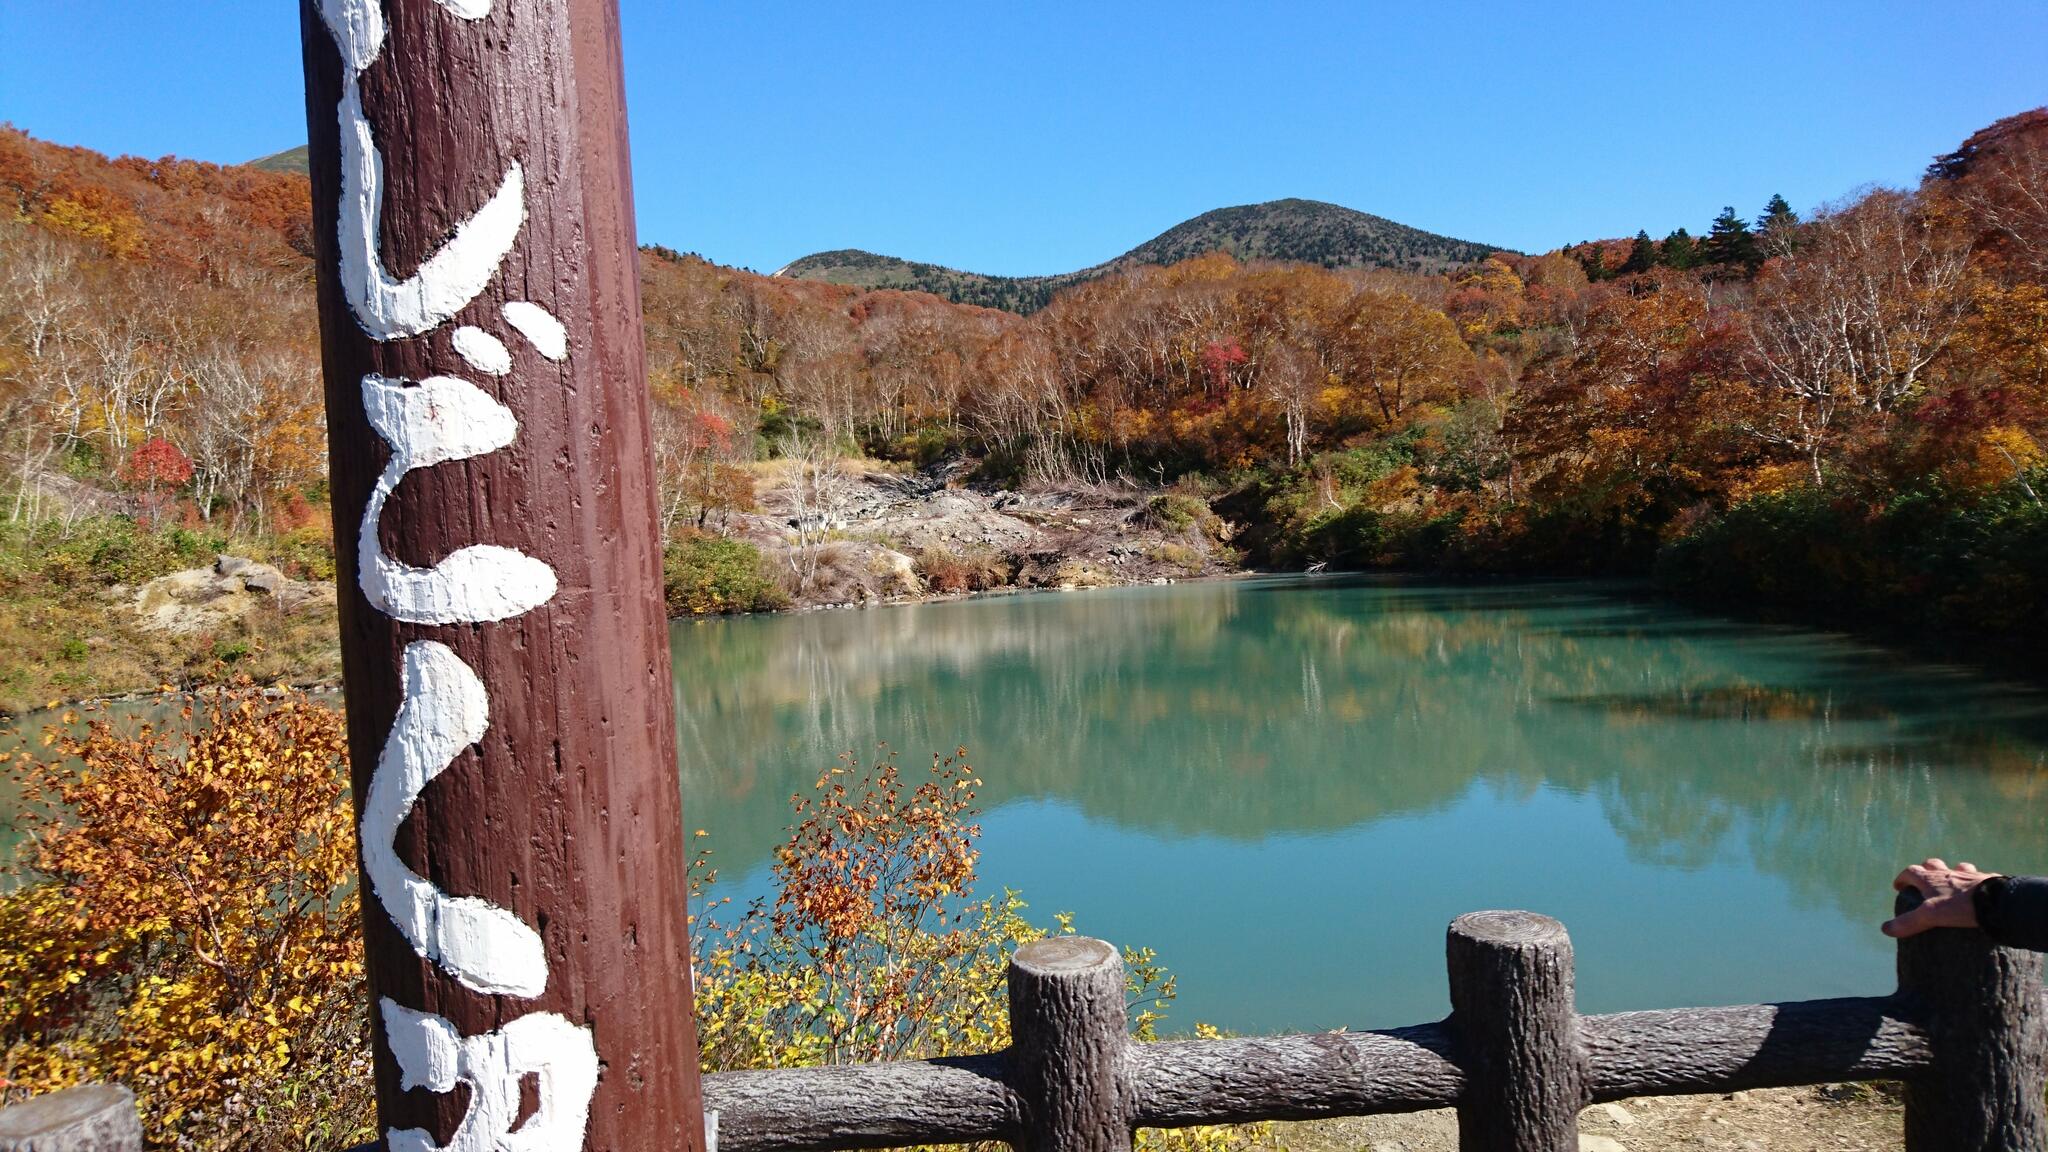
503 638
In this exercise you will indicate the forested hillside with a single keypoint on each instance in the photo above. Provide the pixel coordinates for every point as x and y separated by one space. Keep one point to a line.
1290 231
289 160
1843 415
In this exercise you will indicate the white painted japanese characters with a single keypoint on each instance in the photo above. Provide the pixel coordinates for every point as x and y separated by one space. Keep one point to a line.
536 324
432 1055
443 711
435 421
445 706
389 308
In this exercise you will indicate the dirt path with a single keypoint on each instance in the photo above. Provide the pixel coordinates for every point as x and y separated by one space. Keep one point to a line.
1836 1118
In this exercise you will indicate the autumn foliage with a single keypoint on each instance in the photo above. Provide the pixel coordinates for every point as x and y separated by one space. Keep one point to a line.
156 335
875 946
1590 409
188 926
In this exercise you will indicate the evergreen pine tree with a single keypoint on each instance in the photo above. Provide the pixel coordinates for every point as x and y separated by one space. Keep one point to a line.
1592 262
1678 251
1642 255
1776 228
1731 242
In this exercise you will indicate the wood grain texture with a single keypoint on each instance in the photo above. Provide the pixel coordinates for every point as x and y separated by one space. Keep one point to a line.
1069 1056
1987 1039
1674 1052
1176 1084
1516 1033
865 1105
1666 1052
1322 1074
567 812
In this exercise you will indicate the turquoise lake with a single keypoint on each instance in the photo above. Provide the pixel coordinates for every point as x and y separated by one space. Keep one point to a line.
1288 787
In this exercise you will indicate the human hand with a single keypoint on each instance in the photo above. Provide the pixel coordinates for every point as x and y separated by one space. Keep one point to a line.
1945 893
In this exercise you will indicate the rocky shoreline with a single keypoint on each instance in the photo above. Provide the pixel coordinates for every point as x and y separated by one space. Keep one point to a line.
866 533
849 534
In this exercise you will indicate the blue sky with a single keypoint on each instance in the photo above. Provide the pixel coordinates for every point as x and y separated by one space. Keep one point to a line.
1041 137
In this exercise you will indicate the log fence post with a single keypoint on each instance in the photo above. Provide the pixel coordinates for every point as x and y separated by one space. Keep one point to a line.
1516 1031
1988 1035
1069 1046
87 1118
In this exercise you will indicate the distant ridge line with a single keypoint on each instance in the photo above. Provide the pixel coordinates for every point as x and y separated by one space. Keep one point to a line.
289 160
1291 230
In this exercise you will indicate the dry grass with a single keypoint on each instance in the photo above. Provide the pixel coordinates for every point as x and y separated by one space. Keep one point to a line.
60 648
845 572
68 629
782 471
951 571
1082 574
1181 556
1837 1118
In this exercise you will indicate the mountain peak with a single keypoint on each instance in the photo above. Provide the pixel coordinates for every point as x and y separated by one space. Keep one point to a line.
1292 230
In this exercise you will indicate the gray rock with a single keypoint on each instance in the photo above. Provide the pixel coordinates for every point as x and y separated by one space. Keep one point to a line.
200 598
89 1118
1622 1117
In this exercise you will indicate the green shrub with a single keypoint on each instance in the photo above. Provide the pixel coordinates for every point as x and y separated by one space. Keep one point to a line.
1353 537
305 553
1944 565
101 551
1177 512
920 448
1796 548
1363 465
709 575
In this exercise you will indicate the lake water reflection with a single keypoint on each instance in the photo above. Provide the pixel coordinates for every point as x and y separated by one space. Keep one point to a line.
1288 787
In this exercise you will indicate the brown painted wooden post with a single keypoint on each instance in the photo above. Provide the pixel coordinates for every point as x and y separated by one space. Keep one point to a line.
1517 1035
503 639
1988 1035
1069 1046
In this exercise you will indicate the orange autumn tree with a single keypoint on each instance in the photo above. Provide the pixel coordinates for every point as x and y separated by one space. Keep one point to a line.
874 946
187 926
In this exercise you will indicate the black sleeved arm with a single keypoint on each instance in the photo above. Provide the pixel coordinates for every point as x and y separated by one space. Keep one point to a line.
2013 910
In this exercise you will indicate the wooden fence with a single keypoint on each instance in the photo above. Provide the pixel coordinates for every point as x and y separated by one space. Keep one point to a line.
1967 1031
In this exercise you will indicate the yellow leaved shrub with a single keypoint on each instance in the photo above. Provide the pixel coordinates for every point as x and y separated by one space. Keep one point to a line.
186 925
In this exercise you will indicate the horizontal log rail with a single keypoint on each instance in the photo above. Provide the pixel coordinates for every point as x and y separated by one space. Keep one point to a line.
1318 1076
1966 1031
